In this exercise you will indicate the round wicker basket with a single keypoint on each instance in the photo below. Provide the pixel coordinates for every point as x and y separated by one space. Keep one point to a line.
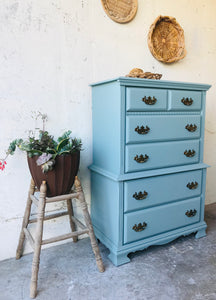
121 11
166 40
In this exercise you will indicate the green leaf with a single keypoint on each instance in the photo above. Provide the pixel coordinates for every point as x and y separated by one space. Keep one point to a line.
51 150
13 145
62 144
34 152
64 152
65 135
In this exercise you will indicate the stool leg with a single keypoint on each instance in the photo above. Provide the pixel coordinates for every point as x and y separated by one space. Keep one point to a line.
88 222
72 224
38 240
25 222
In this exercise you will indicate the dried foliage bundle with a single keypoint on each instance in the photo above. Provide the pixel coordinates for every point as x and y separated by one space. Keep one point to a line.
138 73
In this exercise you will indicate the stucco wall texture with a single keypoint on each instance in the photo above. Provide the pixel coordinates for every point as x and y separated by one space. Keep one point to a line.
50 51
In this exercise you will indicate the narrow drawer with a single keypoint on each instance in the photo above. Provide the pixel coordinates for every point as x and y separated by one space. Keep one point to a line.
141 157
185 100
143 99
146 192
142 128
145 223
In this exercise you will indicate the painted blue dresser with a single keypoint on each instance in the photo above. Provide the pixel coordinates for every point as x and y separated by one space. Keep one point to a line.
148 177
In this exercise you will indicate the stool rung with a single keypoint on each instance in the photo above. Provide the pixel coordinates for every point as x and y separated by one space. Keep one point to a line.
34 199
78 223
62 197
64 236
52 216
29 237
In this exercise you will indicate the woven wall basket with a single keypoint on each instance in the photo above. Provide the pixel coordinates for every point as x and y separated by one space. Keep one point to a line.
166 40
121 11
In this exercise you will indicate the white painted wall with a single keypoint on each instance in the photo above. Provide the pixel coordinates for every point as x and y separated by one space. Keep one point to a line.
49 53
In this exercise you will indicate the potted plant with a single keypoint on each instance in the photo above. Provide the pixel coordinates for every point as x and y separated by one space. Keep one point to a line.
54 160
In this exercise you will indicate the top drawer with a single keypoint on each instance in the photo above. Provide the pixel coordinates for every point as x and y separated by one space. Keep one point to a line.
144 99
184 100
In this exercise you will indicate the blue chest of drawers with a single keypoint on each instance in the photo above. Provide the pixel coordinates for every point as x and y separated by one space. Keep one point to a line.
148 176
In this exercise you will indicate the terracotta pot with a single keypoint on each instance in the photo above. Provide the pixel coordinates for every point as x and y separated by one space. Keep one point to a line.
59 180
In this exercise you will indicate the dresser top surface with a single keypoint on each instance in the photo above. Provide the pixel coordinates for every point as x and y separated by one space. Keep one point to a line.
129 81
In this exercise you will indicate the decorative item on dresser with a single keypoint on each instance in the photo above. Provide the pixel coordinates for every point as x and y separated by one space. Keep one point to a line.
148 177
136 72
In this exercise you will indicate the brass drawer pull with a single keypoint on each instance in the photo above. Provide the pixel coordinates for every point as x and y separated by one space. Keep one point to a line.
140 195
191 127
187 101
142 129
139 227
141 159
189 153
191 213
192 185
149 100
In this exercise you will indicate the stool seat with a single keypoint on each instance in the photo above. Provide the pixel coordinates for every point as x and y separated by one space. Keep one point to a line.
77 227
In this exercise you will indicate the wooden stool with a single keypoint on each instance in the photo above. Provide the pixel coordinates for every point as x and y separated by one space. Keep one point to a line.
38 241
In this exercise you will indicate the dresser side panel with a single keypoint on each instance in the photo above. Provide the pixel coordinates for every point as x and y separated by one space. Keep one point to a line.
202 127
106 209
202 208
106 116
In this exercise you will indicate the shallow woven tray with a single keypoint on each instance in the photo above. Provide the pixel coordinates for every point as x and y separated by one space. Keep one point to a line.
138 73
166 40
121 11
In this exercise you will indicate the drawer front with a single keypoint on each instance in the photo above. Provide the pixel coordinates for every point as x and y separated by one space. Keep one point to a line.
146 192
185 100
144 99
159 155
142 128
160 219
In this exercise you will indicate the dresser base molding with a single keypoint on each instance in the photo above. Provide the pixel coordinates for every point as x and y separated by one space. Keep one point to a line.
119 259
119 255
201 233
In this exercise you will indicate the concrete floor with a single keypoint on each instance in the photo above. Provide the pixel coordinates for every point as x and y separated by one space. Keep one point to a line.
182 270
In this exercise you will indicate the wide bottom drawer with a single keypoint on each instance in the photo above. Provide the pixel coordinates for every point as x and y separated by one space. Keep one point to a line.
152 221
